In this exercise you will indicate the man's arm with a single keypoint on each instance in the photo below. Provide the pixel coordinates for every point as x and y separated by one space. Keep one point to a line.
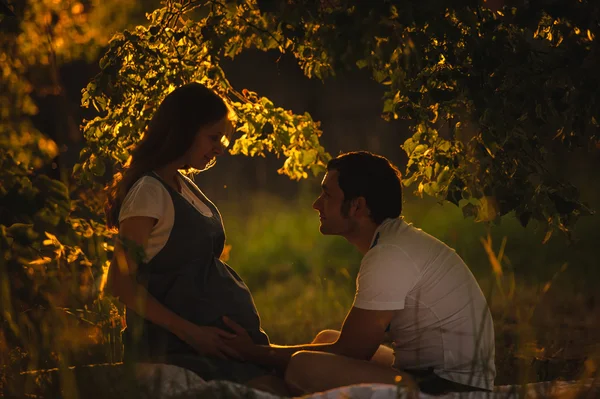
362 333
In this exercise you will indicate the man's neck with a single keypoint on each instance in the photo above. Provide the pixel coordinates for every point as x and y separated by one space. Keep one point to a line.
362 236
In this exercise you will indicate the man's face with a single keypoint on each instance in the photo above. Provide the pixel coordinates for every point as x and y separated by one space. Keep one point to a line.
329 206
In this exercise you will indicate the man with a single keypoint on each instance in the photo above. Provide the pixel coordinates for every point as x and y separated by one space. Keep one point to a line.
409 284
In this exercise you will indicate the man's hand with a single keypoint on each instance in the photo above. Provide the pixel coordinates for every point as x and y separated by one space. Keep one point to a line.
209 341
240 342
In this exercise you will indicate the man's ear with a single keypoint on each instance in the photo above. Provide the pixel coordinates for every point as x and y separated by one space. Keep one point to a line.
360 207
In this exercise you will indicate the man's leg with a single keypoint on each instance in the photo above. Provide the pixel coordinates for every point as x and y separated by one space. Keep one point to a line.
383 356
310 372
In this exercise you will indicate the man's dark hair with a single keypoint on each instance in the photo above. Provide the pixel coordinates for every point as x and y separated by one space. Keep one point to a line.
363 174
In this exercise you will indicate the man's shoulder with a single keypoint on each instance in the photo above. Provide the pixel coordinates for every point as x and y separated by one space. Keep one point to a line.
399 233
385 256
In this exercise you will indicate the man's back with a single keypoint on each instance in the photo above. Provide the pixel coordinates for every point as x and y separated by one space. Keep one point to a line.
442 320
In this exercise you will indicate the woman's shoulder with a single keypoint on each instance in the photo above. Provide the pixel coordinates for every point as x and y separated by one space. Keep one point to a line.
147 184
148 180
146 189
147 196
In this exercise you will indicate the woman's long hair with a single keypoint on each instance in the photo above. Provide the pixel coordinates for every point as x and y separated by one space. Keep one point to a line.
170 134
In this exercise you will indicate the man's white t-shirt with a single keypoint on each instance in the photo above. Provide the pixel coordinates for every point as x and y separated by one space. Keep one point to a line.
441 320
149 197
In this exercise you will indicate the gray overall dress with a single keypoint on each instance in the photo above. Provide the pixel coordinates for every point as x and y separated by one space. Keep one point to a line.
188 278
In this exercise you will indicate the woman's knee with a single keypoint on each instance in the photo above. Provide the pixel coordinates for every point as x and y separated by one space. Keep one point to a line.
326 337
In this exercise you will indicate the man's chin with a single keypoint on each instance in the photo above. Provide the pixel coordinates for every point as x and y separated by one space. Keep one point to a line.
324 230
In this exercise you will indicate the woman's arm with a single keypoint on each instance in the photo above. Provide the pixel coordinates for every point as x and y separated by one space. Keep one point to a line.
121 283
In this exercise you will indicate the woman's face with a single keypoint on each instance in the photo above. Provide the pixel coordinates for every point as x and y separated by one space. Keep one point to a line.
209 143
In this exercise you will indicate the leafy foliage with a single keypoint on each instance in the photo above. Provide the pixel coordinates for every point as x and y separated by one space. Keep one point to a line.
54 251
491 95
47 34
142 66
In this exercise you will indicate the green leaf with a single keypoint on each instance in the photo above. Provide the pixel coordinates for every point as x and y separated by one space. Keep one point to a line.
379 75
362 64
409 145
97 166
470 210
22 233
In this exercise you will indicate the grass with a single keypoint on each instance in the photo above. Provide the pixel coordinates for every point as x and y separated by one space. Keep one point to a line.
295 310
273 240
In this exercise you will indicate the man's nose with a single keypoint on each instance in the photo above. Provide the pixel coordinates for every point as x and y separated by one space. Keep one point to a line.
316 205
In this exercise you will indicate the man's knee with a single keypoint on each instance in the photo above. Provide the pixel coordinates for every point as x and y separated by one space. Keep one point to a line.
297 372
300 362
326 337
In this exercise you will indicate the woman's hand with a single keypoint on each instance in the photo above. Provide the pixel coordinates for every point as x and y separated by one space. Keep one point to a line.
209 341
240 342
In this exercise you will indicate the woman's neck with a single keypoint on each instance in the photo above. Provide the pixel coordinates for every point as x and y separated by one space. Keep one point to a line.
169 173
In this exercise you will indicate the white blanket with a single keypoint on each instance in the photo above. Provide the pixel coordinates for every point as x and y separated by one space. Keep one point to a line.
170 382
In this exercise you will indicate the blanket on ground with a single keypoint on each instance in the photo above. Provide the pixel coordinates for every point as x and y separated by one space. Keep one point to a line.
171 382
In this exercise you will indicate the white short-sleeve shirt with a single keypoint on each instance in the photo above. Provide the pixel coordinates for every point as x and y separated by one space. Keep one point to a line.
149 197
441 320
